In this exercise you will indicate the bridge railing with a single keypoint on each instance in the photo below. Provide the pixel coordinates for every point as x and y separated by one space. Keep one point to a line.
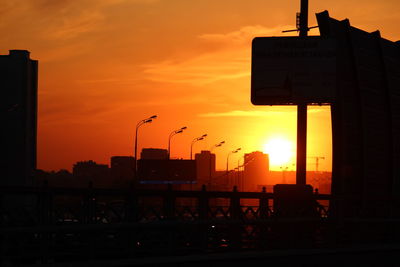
59 224
51 205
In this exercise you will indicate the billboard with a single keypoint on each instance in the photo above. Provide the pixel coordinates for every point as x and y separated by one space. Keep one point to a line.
358 74
293 70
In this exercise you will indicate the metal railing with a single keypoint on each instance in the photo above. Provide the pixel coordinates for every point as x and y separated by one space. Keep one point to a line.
58 224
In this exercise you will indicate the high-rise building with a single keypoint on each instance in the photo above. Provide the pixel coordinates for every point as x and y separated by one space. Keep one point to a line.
256 169
205 167
18 83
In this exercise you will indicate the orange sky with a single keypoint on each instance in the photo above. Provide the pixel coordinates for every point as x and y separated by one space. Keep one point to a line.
106 64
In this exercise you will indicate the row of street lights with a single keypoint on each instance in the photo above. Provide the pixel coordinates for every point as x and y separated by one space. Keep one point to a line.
170 136
194 141
227 159
140 123
178 131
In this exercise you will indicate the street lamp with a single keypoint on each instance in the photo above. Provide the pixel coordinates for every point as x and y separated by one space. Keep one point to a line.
227 158
170 136
140 123
194 141
217 145
214 146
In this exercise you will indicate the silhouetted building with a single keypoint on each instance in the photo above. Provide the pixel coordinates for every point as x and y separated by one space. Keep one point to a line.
18 83
61 178
164 171
205 165
90 171
256 169
122 167
154 153
122 170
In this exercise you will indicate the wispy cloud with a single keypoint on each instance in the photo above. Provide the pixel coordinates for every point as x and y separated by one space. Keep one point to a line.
241 113
226 56
242 36
200 70
258 113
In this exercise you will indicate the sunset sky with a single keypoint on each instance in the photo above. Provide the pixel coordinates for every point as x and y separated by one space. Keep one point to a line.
106 64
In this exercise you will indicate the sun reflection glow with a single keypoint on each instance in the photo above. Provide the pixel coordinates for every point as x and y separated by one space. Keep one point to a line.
280 151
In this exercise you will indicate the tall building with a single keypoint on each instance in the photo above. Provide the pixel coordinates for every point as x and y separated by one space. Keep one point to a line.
18 83
205 167
256 169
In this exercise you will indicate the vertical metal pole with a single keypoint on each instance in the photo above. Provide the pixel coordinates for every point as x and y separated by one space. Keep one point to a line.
302 111
301 144
303 18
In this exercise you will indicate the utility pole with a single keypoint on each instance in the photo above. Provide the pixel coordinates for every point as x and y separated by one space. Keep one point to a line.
302 108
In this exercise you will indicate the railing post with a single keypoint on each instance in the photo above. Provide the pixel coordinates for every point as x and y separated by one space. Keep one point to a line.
263 205
169 203
262 241
90 205
169 214
44 206
235 216
203 218
132 206
45 217
203 204
235 209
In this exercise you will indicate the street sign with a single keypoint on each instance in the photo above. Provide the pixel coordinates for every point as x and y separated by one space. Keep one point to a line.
293 70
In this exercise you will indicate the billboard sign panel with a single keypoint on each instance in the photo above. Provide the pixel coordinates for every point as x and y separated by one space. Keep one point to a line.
293 70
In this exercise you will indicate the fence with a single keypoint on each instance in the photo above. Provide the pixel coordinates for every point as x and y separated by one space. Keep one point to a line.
62 224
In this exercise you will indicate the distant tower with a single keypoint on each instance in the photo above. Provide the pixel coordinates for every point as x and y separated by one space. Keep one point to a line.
18 83
256 169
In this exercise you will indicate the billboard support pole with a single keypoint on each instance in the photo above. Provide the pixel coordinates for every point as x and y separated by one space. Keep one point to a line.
302 110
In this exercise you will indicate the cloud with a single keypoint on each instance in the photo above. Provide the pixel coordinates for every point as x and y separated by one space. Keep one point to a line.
242 36
261 113
241 113
200 70
225 57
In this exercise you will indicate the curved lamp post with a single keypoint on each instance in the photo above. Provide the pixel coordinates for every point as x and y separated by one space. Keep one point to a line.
211 149
194 141
170 136
227 158
140 123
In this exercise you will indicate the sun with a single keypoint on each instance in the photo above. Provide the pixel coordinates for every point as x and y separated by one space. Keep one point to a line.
280 152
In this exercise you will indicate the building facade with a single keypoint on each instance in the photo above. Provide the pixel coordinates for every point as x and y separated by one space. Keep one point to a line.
19 82
256 170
